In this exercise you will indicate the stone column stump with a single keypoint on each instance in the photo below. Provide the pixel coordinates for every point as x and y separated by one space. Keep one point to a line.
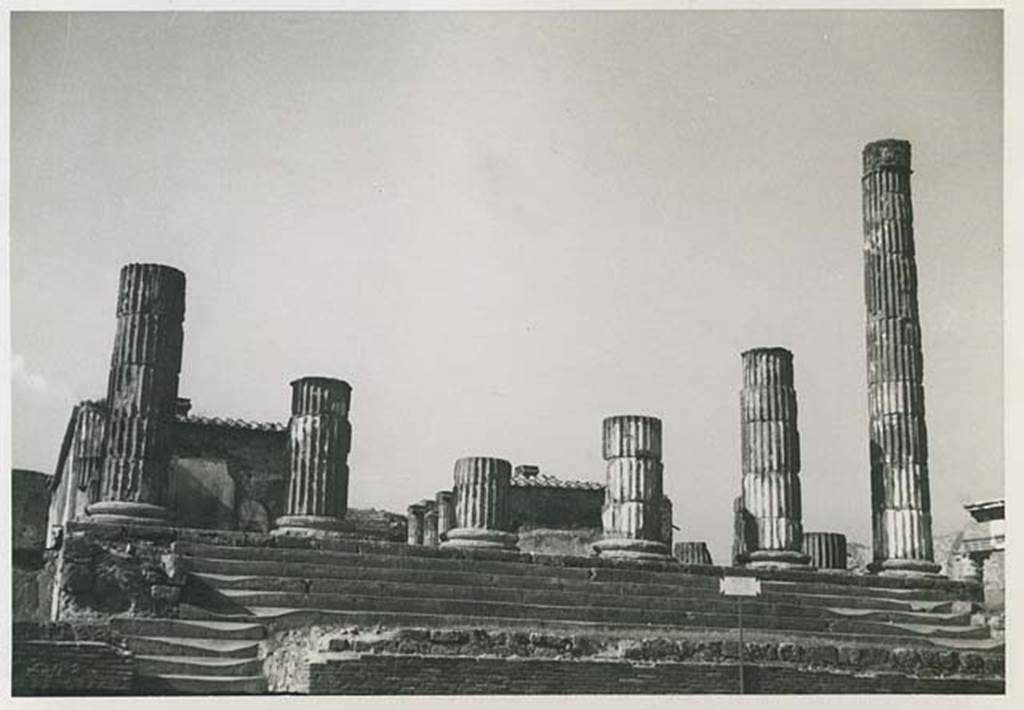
482 505
692 553
827 550
632 512
319 440
445 501
414 524
771 459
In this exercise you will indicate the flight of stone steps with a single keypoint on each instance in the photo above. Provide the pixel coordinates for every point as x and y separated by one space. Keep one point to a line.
379 583
185 657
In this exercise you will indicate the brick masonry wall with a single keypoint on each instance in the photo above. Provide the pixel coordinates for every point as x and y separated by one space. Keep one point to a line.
47 667
461 675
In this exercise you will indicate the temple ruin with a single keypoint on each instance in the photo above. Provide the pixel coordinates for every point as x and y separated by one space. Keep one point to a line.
203 555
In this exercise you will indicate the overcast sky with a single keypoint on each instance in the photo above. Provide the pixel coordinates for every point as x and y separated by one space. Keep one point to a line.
501 228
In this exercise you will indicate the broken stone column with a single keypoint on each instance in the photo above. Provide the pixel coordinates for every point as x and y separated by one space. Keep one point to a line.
692 553
414 524
445 501
88 450
430 524
900 497
827 550
319 440
666 521
481 504
141 395
631 515
771 458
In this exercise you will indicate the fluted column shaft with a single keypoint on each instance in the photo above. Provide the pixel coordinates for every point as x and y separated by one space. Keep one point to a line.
632 513
414 524
692 553
430 523
445 501
319 440
827 550
141 394
771 458
482 486
901 507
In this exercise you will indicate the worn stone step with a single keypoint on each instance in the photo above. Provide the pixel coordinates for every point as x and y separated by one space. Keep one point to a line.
339 565
169 684
197 666
402 556
684 601
710 614
177 646
507 587
184 628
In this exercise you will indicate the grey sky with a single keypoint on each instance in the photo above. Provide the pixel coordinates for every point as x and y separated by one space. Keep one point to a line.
502 227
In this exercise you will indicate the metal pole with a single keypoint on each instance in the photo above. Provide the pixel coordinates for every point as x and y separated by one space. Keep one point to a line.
740 605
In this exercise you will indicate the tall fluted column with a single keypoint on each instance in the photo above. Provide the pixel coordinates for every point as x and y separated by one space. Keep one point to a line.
827 550
141 395
771 458
445 501
414 524
319 440
631 517
481 504
692 553
900 494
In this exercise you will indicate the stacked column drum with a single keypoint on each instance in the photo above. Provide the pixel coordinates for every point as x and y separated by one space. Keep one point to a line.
901 506
827 550
632 512
482 504
141 395
771 459
319 441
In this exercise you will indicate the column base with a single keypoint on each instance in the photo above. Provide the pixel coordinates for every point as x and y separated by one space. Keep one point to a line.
778 559
119 512
633 549
905 568
309 525
479 538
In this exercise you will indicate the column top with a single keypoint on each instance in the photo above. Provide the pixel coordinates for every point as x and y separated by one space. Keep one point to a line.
151 288
890 153
320 395
767 367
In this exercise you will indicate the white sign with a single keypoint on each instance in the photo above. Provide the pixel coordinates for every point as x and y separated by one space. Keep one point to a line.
740 586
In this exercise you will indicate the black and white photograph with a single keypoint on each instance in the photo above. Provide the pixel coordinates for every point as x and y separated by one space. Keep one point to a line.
555 350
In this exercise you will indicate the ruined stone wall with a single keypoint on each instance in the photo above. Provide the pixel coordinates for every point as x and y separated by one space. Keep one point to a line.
556 508
30 503
255 460
460 675
64 659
